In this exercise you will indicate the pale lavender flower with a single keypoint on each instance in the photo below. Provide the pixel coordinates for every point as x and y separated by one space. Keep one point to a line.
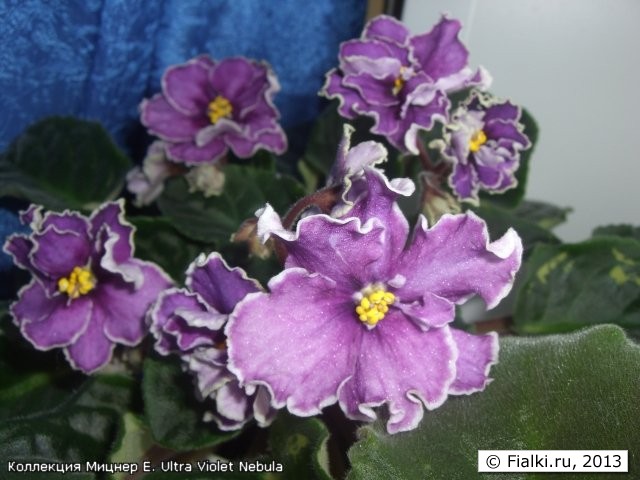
147 183
361 313
399 80
483 141
88 293
189 322
208 107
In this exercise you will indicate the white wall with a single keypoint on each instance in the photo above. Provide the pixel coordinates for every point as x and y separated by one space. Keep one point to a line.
575 65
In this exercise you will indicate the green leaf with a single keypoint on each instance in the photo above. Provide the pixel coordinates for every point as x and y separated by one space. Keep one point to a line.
196 474
300 445
63 162
215 219
563 392
571 286
513 197
79 427
628 231
134 443
543 214
500 219
158 241
172 411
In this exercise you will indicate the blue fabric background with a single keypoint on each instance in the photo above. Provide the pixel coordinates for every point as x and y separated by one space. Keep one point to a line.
97 59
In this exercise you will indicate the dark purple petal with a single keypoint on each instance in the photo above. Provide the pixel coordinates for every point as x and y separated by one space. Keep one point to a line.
111 215
498 129
181 321
57 253
488 165
192 154
50 322
440 52
272 139
387 28
122 306
163 120
65 222
463 181
299 341
403 367
455 260
32 216
92 350
347 97
501 111
209 366
186 87
476 355
219 285
20 247
386 119
231 76
373 90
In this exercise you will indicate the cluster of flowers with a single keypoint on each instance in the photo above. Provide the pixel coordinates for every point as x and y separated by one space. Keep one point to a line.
360 313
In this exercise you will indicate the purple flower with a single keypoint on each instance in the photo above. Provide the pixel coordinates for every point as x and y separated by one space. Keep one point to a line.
360 314
88 292
190 322
207 107
399 80
483 141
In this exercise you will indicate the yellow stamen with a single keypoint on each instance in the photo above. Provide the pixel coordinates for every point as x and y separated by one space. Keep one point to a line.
79 282
374 305
399 81
477 140
219 108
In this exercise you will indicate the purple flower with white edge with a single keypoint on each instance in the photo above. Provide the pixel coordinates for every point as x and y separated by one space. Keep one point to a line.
360 314
208 107
483 141
88 293
189 322
401 80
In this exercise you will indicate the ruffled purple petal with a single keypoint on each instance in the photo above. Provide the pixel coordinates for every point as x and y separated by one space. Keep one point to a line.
403 367
463 181
232 76
476 355
92 350
370 57
348 98
306 311
57 253
50 322
122 306
209 367
374 91
428 311
455 260
440 52
347 242
386 28
186 87
233 405
112 215
272 139
498 129
192 154
20 247
219 285
162 120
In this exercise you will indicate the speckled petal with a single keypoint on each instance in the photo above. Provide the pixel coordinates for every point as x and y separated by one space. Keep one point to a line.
420 375
477 353
298 340
455 260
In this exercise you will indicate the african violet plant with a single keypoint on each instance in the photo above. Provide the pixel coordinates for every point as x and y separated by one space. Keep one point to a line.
227 316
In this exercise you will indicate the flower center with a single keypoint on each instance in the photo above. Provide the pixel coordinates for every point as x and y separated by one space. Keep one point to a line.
79 282
219 108
477 140
374 304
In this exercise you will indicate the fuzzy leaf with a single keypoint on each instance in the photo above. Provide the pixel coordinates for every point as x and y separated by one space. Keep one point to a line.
562 392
